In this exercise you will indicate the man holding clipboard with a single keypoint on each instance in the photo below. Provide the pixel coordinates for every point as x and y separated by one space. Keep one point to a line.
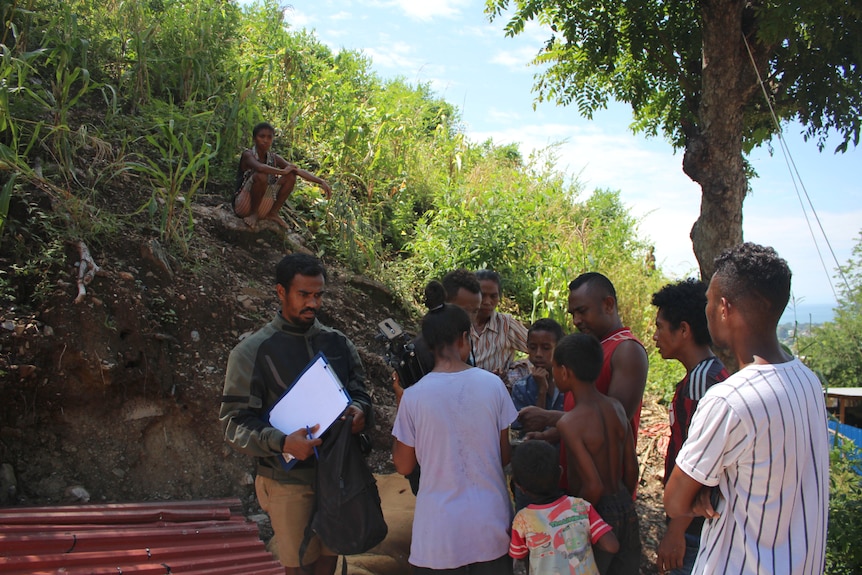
260 369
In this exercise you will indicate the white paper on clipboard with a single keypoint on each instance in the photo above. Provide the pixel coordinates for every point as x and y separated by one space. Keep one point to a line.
317 397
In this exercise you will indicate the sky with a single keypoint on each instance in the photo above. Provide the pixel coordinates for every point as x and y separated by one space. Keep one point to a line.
472 64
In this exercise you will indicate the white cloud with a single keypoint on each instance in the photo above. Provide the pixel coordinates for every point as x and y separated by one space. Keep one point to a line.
332 34
505 117
426 10
296 19
517 60
488 31
440 85
398 58
341 16
393 54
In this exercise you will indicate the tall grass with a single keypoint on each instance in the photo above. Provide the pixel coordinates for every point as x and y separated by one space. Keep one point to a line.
176 172
183 82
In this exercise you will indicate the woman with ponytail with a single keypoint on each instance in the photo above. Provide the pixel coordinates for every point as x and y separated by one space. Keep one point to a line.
454 422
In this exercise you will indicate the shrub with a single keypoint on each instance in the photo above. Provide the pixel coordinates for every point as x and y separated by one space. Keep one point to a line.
843 552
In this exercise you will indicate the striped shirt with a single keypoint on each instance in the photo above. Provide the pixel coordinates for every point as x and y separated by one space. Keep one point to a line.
495 346
761 437
688 393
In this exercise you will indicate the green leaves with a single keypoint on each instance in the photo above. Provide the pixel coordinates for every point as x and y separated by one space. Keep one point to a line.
843 553
527 223
834 349
649 54
176 172
5 197
636 52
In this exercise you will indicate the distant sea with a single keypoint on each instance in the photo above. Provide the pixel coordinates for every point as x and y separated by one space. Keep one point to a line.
806 313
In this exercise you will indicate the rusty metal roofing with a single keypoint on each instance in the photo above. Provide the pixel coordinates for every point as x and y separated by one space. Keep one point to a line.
190 537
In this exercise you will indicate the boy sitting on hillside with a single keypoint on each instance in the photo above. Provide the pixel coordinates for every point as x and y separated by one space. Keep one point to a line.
555 532
603 467
265 180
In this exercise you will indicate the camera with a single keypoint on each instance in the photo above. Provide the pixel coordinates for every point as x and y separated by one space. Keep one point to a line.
406 354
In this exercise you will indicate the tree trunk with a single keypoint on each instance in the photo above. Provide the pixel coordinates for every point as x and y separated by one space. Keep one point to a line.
713 152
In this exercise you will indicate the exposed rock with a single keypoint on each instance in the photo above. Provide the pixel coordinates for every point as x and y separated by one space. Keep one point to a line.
153 252
233 229
141 409
76 493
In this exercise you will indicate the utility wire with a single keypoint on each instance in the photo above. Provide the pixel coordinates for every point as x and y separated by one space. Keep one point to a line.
795 177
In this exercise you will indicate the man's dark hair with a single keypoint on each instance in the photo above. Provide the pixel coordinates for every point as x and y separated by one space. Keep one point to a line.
597 282
582 354
460 278
262 126
755 273
685 301
298 263
444 323
484 275
549 325
536 468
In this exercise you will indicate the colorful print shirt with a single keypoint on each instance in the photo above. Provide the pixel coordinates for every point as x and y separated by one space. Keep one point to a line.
558 536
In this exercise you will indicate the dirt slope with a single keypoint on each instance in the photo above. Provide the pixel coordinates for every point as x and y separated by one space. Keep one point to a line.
119 394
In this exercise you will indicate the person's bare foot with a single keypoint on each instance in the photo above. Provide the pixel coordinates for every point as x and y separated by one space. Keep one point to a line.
251 221
277 219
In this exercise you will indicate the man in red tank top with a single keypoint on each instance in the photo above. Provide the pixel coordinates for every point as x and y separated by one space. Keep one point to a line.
593 306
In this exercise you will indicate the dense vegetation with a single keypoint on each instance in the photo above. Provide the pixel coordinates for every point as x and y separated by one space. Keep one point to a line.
119 115
834 349
164 94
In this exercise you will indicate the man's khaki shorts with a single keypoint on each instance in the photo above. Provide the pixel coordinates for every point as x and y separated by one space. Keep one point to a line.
289 508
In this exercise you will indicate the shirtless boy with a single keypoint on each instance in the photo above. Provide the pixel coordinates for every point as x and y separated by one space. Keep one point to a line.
601 457
265 180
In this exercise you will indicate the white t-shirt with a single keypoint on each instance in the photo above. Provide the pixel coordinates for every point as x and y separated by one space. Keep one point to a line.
761 436
463 512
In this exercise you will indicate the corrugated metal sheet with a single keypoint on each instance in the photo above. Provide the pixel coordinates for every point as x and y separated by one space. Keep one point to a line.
190 537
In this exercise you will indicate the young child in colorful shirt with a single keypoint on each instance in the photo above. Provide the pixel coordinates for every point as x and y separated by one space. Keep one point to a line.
555 533
600 450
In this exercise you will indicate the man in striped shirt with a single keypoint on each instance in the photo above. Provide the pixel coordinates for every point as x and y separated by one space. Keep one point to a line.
496 336
756 462
681 333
